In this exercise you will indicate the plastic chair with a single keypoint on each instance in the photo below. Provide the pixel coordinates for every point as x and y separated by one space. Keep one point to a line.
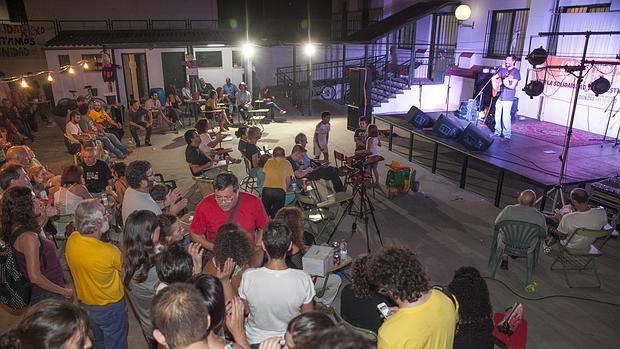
517 239
249 183
204 185
314 215
581 258
363 331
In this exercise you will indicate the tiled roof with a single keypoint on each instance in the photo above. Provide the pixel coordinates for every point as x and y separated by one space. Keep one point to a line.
397 20
138 38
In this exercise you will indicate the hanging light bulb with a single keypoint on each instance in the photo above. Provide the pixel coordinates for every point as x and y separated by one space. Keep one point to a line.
71 71
85 66
49 77
24 83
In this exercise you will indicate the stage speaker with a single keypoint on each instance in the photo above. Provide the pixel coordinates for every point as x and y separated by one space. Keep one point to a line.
419 118
360 85
353 116
447 126
474 138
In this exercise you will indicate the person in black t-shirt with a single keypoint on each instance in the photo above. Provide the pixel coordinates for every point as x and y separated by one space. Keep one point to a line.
97 173
361 134
140 119
252 151
198 161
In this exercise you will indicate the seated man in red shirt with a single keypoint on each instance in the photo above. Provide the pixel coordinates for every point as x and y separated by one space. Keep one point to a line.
228 205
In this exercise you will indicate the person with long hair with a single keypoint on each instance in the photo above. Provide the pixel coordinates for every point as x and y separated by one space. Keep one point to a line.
211 105
51 324
475 328
425 317
252 151
170 229
222 313
242 134
35 253
72 190
139 274
372 145
359 299
304 328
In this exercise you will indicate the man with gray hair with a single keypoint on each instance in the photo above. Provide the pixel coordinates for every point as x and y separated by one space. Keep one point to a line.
523 211
96 271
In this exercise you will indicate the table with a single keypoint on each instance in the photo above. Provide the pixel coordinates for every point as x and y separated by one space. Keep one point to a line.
256 116
343 264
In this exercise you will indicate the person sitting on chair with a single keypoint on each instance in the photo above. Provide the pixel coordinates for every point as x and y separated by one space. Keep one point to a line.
200 164
104 121
140 119
154 106
211 106
582 217
524 211
244 101
304 167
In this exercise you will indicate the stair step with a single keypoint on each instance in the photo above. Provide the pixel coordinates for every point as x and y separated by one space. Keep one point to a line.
392 84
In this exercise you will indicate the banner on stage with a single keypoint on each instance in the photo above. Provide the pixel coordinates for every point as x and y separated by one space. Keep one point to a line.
560 84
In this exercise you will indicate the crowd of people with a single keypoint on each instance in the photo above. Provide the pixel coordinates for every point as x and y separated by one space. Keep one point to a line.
231 276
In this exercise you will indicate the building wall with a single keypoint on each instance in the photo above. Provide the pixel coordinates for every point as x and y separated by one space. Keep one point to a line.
121 9
65 82
590 117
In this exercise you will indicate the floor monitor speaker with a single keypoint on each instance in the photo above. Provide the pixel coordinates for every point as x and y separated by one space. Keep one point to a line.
447 126
419 118
475 138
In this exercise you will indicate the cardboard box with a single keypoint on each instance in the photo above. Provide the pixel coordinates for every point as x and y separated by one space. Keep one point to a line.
318 260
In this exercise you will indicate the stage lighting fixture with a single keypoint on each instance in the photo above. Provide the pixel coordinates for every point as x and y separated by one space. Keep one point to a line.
534 88
537 57
600 86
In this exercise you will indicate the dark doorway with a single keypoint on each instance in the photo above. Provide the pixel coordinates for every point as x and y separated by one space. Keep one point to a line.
136 76
173 69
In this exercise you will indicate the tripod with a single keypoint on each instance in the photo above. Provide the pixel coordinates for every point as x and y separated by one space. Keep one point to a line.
366 209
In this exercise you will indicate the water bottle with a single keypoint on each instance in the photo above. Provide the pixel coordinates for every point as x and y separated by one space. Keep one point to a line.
343 249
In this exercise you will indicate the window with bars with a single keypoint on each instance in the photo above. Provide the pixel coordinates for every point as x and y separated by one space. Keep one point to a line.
405 36
506 33
586 8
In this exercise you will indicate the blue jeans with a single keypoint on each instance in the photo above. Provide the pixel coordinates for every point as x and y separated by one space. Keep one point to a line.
111 143
109 325
503 123
273 107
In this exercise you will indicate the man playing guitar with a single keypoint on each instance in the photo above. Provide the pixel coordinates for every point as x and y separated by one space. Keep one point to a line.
506 80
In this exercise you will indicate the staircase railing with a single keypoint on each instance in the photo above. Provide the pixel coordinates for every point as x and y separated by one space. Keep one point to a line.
293 80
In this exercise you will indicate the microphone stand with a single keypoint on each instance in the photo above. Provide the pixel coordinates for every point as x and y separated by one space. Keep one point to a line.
610 106
481 93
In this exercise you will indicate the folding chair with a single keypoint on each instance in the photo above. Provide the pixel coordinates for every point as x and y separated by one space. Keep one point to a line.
343 168
249 183
581 258
314 215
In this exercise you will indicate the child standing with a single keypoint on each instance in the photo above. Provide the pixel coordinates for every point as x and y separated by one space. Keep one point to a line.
321 137
372 145
361 134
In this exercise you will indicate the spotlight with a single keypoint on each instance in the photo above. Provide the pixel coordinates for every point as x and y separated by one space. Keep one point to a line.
534 88
537 57
24 84
309 49
50 78
248 49
71 71
600 86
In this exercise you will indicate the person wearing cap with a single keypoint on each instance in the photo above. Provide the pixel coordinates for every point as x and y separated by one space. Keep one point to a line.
302 169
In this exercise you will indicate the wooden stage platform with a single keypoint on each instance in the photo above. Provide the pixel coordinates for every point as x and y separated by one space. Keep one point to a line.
534 160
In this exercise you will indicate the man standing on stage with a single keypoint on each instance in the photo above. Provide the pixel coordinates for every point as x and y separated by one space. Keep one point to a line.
510 77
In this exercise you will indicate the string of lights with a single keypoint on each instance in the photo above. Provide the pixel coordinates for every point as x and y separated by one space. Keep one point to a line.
50 73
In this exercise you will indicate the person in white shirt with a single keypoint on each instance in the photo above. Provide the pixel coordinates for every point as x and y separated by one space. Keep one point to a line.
186 96
274 294
243 100
582 217
140 177
72 129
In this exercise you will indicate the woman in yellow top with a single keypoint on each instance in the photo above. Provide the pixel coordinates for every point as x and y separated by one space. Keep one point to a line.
425 317
278 176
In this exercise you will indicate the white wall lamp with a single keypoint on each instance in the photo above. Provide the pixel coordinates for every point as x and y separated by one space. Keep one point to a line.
462 13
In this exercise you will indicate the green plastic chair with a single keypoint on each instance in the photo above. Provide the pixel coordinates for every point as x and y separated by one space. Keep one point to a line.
517 239
581 258
372 335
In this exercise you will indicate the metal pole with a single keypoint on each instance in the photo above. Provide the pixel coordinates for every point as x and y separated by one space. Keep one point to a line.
343 72
309 63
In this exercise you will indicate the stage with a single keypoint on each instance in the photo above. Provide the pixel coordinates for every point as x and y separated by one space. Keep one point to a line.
533 159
